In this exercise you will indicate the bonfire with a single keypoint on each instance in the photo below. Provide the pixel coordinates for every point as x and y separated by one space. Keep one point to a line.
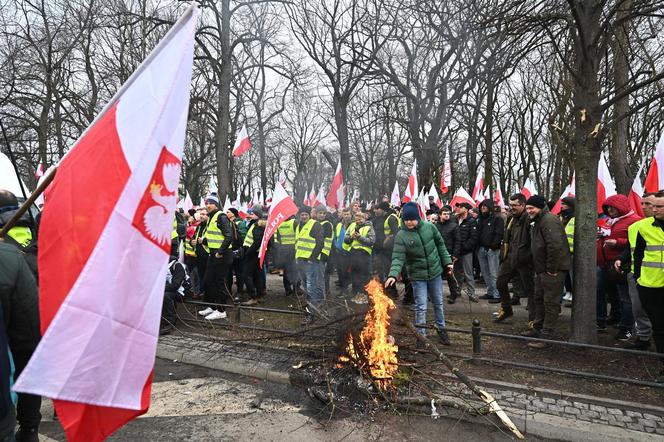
373 351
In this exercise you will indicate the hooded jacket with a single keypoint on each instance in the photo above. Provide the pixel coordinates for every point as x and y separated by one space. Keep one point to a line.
490 227
422 250
548 243
607 253
451 234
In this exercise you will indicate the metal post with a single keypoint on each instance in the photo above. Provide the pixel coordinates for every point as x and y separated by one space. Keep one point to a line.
477 338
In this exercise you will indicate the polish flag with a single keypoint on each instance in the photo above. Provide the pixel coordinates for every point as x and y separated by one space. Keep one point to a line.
243 211
487 193
605 185
186 203
336 195
635 194
529 189
434 193
655 177
498 198
101 295
395 199
242 143
320 197
40 171
446 175
462 196
557 206
313 202
410 194
478 189
282 208
422 204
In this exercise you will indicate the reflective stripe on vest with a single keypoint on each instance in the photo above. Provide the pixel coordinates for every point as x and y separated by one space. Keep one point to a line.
174 232
386 225
22 235
569 232
652 266
337 234
249 239
355 244
286 233
304 242
213 233
327 240
188 248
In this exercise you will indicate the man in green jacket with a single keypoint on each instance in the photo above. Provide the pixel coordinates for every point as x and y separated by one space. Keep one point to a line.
551 261
420 247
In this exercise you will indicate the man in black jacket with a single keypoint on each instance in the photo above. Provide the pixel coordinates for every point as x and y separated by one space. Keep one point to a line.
517 260
468 231
449 230
252 274
20 312
490 232
173 292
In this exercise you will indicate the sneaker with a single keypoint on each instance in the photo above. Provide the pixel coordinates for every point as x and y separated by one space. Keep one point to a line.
516 300
503 314
567 296
531 333
205 312
444 338
639 344
216 314
494 301
623 335
25 434
473 298
252 301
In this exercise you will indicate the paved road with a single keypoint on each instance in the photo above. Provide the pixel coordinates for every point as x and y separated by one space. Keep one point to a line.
197 404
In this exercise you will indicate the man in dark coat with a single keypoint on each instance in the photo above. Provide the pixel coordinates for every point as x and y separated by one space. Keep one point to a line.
490 236
463 268
551 261
516 259
449 230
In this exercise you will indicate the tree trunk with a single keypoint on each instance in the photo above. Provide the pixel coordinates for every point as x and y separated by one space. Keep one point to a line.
488 133
222 145
341 119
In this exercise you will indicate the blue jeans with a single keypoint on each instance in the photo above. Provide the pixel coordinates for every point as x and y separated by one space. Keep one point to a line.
433 290
489 264
314 275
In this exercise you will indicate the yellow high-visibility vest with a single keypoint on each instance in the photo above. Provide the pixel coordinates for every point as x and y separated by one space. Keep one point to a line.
337 234
652 266
22 235
569 232
304 242
249 239
213 233
327 243
355 244
286 233
386 224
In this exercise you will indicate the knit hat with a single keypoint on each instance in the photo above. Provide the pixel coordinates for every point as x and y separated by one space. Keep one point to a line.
257 210
536 201
305 209
465 205
212 199
410 212
234 211
384 206
446 208
569 201
320 208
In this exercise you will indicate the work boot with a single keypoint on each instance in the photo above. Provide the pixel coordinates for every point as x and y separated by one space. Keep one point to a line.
27 434
639 344
531 333
503 314
444 338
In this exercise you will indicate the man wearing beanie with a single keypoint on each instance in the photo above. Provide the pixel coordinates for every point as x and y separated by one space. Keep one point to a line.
419 247
469 235
551 260
386 226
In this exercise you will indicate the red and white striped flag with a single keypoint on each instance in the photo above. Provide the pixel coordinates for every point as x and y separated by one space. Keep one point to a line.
478 189
636 193
529 189
101 295
395 199
446 175
655 177
40 171
282 208
434 193
605 185
498 197
462 196
410 194
242 143
335 198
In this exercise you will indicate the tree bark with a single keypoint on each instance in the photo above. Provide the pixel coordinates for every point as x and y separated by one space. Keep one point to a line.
341 119
222 145
488 133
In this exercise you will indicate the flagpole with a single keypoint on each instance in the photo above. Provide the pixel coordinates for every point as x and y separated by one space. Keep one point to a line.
132 78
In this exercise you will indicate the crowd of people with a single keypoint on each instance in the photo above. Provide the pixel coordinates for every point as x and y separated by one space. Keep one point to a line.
522 253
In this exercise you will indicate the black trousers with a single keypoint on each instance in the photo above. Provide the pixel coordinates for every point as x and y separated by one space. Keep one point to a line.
28 405
168 314
202 258
652 301
216 276
526 276
342 264
252 276
383 262
360 263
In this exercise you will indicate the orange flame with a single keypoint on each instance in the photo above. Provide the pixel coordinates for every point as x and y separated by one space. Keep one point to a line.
376 345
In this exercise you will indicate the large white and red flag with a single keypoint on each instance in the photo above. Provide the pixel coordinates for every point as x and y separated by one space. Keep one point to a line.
462 196
320 196
410 194
395 198
313 202
655 177
478 189
335 197
242 143
529 189
446 175
39 172
498 197
101 294
185 203
434 193
282 208
605 184
635 194
557 207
